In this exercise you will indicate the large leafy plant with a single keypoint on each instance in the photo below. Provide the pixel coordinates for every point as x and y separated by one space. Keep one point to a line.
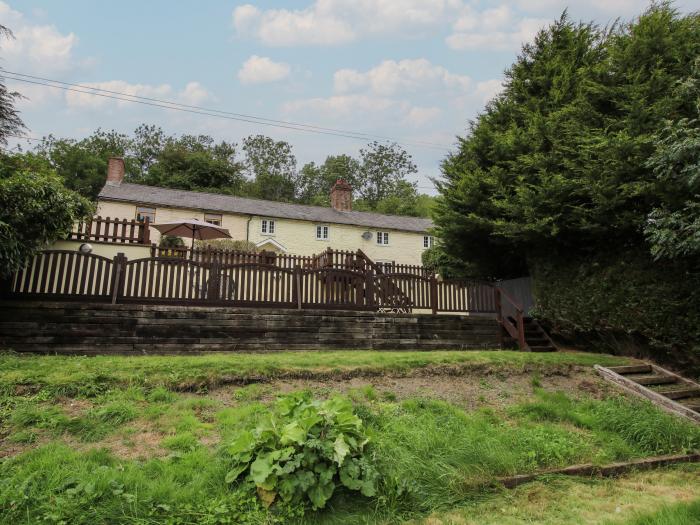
304 449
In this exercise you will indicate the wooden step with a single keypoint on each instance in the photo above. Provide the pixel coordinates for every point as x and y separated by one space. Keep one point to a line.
681 394
547 348
655 380
631 369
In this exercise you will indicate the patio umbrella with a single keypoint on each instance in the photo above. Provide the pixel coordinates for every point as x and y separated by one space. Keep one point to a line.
193 228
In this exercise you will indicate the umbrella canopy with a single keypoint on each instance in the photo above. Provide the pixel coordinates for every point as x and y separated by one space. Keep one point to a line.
193 228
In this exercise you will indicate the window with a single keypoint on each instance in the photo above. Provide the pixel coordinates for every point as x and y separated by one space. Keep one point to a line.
213 218
383 238
427 241
322 232
143 213
267 227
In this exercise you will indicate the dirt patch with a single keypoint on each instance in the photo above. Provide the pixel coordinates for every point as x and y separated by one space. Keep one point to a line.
74 407
136 441
470 391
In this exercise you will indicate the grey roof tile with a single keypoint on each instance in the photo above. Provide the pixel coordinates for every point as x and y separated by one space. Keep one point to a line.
141 194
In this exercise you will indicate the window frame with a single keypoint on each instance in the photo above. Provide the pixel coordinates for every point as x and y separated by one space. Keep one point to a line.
151 215
268 227
324 228
429 240
382 238
220 219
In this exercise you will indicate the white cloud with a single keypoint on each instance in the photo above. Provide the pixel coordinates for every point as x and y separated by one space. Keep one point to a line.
488 89
406 76
261 70
193 93
35 47
410 92
493 29
342 106
420 116
331 22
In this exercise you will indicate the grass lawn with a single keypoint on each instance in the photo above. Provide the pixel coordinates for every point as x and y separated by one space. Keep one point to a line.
145 439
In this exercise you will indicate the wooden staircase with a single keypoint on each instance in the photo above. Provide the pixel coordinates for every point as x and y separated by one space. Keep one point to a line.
669 391
536 338
520 329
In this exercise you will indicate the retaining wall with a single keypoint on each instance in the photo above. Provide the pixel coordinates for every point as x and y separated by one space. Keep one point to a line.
90 329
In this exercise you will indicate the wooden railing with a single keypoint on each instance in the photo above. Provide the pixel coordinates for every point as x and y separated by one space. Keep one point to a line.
104 229
516 326
165 278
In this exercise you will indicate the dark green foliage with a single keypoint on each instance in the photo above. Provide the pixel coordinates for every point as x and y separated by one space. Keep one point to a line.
35 209
171 241
624 299
303 450
10 121
559 159
590 151
83 164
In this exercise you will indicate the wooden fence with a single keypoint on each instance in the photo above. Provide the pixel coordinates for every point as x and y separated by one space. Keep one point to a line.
323 283
104 229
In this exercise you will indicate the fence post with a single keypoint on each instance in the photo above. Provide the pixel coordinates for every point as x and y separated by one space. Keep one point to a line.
433 293
499 314
146 231
370 301
296 287
213 283
119 267
521 330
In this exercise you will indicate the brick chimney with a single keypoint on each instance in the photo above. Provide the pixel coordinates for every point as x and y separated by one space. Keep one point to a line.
115 171
341 196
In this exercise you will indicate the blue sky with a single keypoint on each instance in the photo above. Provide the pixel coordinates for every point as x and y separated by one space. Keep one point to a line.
413 70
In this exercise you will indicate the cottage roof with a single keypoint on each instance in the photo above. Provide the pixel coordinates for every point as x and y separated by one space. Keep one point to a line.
140 194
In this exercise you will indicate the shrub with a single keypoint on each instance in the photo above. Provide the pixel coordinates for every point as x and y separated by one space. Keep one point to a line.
304 449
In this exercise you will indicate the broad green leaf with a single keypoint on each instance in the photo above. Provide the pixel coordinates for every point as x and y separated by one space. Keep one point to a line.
320 493
235 472
340 449
244 442
293 433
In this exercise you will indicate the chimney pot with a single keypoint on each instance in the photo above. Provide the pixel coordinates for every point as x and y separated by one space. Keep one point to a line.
341 196
115 171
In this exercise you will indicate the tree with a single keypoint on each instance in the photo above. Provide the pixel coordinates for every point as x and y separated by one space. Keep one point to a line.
191 162
558 162
673 228
315 182
35 209
10 121
382 168
589 153
83 164
272 167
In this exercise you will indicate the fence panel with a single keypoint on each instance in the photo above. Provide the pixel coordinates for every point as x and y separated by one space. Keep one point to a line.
63 274
415 288
334 288
252 284
164 279
465 296
105 229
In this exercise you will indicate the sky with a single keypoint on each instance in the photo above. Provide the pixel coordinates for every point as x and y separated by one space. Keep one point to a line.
413 71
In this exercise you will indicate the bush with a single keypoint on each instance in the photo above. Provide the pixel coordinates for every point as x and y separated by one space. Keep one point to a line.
303 450
228 244
36 209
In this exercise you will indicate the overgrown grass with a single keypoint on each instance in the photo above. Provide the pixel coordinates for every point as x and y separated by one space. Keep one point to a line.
685 513
92 376
434 457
